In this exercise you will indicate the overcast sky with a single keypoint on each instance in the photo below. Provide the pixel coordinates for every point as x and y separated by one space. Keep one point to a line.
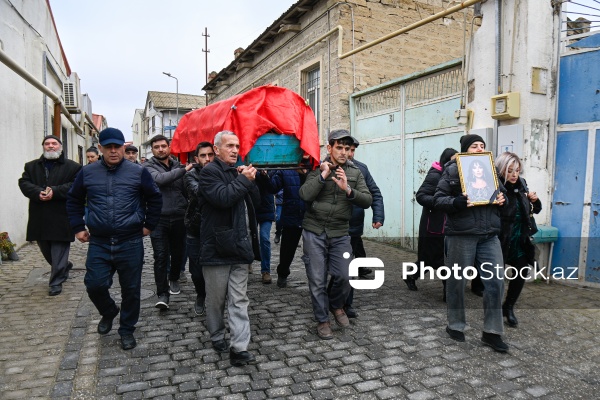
119 49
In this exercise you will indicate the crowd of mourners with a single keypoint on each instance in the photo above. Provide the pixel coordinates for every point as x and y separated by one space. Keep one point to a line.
215 215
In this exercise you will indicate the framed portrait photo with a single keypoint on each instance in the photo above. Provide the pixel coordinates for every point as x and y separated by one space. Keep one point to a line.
478 177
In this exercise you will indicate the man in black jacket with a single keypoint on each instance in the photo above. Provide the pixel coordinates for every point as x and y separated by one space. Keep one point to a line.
168 240
203 155
124 205
46 182
228 244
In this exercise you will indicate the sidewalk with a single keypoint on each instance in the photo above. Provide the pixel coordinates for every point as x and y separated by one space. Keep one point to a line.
397 348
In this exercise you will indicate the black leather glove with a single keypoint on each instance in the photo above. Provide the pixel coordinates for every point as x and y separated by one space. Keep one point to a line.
460 202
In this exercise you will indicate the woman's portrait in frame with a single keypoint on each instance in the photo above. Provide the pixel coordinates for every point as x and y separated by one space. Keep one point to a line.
478 177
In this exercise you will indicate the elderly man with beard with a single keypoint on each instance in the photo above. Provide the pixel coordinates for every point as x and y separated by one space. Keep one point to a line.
46 182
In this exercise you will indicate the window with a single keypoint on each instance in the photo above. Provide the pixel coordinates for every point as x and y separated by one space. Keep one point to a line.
311 89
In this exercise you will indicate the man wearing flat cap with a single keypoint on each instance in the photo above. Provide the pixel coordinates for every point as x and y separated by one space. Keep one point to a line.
330 192
131 153
124 206
46 182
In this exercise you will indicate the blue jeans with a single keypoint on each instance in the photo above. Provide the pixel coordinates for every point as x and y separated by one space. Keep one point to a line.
475 250
228 284
168 244
265 245
193 250
322 255
104 258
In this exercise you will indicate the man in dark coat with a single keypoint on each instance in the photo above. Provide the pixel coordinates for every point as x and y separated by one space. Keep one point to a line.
168 240
228 243
46 182
124 205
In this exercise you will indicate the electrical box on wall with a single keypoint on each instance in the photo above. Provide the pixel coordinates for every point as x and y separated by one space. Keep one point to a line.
506 106
510 138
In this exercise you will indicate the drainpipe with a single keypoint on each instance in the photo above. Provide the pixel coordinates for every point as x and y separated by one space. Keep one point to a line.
498 74
58 104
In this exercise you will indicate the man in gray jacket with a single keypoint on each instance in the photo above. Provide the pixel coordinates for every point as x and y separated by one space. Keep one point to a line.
331 191
168 240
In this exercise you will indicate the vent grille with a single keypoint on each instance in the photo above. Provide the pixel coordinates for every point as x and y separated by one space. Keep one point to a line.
70 95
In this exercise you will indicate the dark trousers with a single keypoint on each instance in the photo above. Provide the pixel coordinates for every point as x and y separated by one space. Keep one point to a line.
358 249
516 283
193 251
290 238
103 260
168 243
57 255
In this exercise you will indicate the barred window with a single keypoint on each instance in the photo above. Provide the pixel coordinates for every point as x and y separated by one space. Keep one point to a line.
311 89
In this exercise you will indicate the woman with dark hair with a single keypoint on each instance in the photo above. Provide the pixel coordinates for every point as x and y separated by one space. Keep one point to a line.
478 188
517 228
431 227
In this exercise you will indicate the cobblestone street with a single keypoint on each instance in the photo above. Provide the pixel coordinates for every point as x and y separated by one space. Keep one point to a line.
397 348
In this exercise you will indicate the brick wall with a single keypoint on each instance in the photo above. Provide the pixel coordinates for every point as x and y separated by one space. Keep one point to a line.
432 44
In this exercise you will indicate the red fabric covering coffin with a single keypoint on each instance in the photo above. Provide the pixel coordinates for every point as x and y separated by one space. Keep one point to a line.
250 115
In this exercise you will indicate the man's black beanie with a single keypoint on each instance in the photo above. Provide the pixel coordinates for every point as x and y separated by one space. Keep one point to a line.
467 140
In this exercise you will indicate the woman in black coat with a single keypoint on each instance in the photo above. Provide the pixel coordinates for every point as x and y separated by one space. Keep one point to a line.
431 227
517 228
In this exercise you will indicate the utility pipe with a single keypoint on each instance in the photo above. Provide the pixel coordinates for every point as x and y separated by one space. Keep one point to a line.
87 116
58 104
410 27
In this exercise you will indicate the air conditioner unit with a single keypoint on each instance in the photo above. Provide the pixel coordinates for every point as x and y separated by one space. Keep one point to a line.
71 95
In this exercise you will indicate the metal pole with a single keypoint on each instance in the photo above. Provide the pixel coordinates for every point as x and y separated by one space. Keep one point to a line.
205 50
176 96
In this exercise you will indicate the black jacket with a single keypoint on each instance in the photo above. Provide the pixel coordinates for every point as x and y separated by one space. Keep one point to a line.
225 198
122 200
265 210
517 195
48 219
170 183
192 214
431 227
477 220
293 207
357 222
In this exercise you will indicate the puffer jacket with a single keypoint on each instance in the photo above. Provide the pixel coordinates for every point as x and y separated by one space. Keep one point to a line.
357 222
517 195
122 200
477 220
226 196
292 207
192 214
330 209
170 182
48 219
265 210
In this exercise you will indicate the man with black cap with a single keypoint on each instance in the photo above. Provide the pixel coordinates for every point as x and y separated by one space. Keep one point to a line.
46 182
472 240
331 191
124 205
131 153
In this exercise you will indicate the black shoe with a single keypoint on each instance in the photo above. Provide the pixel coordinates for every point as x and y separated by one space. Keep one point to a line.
55 290
281 282
240 359
277 238
509 313
105 324
163 302
128 342
362 272
221 346
350 312
477 292
412 284
69 268
494 341
174 287
199 308
455 335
